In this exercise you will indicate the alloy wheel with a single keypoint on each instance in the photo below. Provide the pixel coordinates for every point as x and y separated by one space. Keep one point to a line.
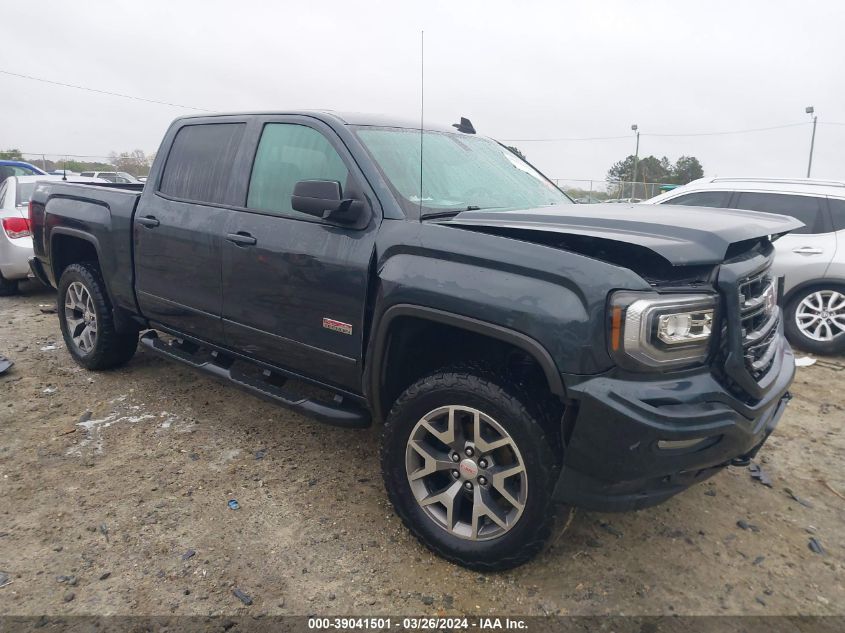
466 472
821 315
81 317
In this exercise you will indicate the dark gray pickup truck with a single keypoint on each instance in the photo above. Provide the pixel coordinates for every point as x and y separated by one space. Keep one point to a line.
518 349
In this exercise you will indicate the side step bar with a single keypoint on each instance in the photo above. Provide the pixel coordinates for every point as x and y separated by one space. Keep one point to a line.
336 413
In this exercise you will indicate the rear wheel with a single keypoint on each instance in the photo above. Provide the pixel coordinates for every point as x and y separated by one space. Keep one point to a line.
815 319
87 323
8 287
469 469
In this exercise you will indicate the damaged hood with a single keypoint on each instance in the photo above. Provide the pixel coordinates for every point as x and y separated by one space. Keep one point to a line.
682 235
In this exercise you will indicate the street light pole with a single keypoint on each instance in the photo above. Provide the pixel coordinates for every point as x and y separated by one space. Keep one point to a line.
812 111
636 159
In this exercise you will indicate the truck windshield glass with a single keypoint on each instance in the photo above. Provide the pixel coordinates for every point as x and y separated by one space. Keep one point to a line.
460 172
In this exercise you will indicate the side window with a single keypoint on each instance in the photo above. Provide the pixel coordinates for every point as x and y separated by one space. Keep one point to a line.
3 195
288 153
199 165
807 209
87 173
717 199
837 212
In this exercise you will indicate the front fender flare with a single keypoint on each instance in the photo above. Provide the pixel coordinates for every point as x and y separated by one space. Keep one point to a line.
374 368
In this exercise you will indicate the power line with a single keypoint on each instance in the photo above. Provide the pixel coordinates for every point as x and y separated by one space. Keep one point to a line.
104 92
511 140
654 134
749 131
62 155
552 140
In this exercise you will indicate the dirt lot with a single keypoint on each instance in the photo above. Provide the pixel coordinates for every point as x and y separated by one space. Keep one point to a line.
125 512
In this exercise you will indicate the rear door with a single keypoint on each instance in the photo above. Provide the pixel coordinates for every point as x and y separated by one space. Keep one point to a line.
804 254
179 227
294 286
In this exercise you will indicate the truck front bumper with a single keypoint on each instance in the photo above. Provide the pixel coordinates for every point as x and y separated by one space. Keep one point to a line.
636 442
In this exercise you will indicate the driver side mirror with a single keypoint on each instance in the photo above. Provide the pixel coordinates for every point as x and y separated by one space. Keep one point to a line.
323 199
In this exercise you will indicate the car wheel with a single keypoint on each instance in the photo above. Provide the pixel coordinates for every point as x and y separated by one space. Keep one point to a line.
8 287
87 323
469 469
815 319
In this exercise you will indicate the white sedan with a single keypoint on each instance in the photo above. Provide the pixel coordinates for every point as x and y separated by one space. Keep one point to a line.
15 237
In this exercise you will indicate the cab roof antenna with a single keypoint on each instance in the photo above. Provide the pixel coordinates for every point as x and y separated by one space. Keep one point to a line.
464 126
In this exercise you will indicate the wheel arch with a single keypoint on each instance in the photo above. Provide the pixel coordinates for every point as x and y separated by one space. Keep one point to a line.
72 246
385 343
812 283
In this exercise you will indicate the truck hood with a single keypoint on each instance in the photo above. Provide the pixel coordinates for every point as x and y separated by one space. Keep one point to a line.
684 236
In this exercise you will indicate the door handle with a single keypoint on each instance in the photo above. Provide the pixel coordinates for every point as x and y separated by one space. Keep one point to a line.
241 239
807 250
148 220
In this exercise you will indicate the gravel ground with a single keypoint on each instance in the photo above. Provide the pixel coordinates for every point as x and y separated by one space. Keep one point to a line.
115 485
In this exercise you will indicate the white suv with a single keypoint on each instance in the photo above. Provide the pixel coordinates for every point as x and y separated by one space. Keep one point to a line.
812 258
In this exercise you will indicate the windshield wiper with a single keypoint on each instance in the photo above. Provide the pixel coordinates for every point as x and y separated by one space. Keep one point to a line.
453 212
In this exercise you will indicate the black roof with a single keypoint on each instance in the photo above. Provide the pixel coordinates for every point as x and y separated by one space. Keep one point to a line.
344 118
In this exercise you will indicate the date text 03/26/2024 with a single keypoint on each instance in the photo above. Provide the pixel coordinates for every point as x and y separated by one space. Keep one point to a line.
411 623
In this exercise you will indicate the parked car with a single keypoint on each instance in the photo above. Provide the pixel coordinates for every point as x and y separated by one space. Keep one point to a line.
62 172
812 258
16 240
517 348
9 168
112 176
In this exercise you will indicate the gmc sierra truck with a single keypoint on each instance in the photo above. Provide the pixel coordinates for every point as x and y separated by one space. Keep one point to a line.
516 348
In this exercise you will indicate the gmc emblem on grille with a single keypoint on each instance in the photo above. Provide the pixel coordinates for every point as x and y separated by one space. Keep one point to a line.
337 326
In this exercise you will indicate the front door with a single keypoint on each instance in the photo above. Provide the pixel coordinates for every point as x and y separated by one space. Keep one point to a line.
294 286
178 231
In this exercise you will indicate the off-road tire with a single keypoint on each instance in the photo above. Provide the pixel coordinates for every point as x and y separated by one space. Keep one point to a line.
111 348
797 337
8 287
511 406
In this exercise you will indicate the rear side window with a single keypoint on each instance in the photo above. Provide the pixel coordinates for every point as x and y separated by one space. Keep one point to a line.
288 153
837 212
808 209
199 165
87 173
717 199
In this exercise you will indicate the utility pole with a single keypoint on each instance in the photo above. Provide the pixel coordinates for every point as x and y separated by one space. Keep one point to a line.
636 160
811 111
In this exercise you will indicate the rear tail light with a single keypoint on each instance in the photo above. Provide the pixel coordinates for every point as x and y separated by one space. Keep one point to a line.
16 227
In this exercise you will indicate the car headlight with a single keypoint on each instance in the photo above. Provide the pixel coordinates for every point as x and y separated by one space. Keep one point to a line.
653 332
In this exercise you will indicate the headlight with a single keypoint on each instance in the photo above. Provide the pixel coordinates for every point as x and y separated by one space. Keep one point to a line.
653 332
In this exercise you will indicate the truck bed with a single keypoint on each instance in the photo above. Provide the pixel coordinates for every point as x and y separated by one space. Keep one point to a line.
63 211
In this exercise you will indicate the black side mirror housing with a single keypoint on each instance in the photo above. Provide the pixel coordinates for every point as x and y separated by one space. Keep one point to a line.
323 199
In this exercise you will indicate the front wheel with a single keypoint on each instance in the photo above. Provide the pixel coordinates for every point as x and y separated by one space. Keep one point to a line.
815 319
469 469
87 323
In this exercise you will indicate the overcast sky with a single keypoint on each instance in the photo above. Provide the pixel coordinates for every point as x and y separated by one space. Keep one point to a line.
518 70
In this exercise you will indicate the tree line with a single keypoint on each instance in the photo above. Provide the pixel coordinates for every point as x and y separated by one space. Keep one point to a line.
135 162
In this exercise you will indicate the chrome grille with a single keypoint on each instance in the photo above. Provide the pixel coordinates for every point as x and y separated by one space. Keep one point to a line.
759 318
